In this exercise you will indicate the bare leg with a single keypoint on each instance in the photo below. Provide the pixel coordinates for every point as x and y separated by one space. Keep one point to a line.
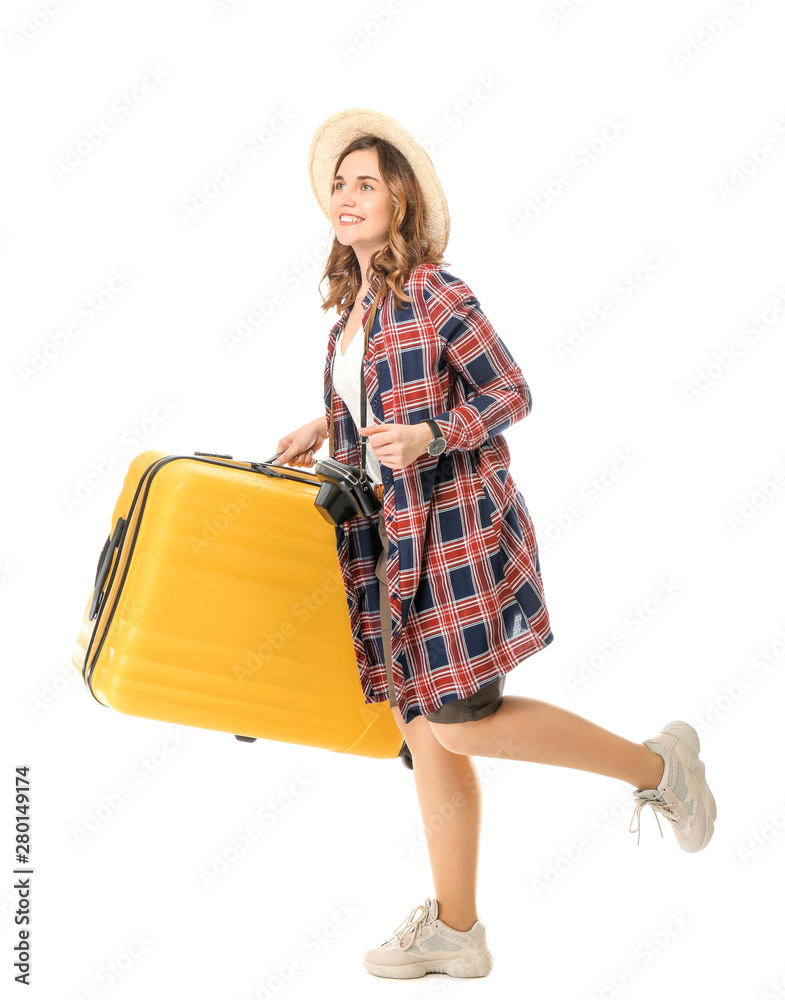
532 730
449 792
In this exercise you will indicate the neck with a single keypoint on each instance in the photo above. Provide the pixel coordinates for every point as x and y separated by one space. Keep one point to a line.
363 259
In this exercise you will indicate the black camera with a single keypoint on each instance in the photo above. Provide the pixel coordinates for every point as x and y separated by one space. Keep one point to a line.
344 492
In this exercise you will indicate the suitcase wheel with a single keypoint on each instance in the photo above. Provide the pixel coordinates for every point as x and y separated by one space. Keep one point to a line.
246 739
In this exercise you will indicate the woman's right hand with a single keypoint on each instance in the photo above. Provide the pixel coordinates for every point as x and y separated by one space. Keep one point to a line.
298 447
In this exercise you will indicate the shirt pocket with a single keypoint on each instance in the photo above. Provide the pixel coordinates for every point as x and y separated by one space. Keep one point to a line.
493 490
481 506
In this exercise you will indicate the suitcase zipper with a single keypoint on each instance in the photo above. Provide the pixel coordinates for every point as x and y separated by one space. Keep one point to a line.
105 613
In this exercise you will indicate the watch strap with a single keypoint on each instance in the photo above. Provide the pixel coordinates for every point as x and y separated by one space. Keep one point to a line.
435 428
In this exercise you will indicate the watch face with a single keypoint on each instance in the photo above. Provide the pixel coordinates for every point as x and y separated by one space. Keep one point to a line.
437 446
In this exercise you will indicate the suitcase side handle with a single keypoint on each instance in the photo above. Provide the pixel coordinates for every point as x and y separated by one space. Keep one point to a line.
104 562
214 454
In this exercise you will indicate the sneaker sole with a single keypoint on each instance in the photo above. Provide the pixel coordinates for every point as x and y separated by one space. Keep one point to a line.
459 968
689 737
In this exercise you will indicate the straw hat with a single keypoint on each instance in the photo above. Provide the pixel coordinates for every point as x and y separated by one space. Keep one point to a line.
339 130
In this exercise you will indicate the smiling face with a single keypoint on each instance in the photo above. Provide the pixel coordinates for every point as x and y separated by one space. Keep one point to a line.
359 193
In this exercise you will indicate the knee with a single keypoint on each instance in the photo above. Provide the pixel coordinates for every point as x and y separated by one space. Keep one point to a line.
413 732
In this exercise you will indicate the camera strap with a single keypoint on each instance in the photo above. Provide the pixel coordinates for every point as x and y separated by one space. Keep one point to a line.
363 401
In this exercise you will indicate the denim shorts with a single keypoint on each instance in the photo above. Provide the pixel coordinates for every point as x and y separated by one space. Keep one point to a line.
482 703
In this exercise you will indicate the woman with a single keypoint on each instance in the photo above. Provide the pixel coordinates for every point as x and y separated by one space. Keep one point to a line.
444 589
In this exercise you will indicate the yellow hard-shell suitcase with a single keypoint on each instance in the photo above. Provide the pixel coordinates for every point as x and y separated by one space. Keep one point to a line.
219 603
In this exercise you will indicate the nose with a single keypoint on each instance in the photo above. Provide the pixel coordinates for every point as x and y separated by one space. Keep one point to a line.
344 205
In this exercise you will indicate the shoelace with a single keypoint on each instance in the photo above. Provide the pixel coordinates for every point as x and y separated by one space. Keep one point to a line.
659 805
411 925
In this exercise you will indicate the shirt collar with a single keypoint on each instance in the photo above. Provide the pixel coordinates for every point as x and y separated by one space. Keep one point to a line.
369 297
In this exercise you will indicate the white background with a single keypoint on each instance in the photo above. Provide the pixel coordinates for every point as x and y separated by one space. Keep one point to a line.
515 94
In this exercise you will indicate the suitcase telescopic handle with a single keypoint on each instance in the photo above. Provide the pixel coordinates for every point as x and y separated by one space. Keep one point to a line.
104 562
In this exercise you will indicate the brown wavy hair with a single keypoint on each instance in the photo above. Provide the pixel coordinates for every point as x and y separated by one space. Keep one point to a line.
408 241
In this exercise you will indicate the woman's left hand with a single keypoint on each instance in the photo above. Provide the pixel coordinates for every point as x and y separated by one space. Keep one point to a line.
398 445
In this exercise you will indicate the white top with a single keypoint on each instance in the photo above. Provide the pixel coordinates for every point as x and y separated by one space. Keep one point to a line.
347 372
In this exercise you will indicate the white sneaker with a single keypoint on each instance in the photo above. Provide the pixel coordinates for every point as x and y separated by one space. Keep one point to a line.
683 797
422 943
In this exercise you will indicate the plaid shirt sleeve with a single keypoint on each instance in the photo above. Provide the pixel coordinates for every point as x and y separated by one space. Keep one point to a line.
496 392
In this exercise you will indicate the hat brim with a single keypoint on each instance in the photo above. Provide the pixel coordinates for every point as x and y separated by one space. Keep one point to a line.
340 129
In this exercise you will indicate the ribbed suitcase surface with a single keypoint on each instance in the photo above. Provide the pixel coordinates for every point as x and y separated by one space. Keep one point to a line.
219 604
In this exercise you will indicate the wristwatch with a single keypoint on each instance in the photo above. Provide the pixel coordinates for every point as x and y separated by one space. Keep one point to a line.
437 445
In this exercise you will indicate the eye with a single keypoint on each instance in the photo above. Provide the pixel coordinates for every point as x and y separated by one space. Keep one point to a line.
338 184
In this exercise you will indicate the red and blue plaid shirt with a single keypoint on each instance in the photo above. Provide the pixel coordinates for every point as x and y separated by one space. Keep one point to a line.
466 592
